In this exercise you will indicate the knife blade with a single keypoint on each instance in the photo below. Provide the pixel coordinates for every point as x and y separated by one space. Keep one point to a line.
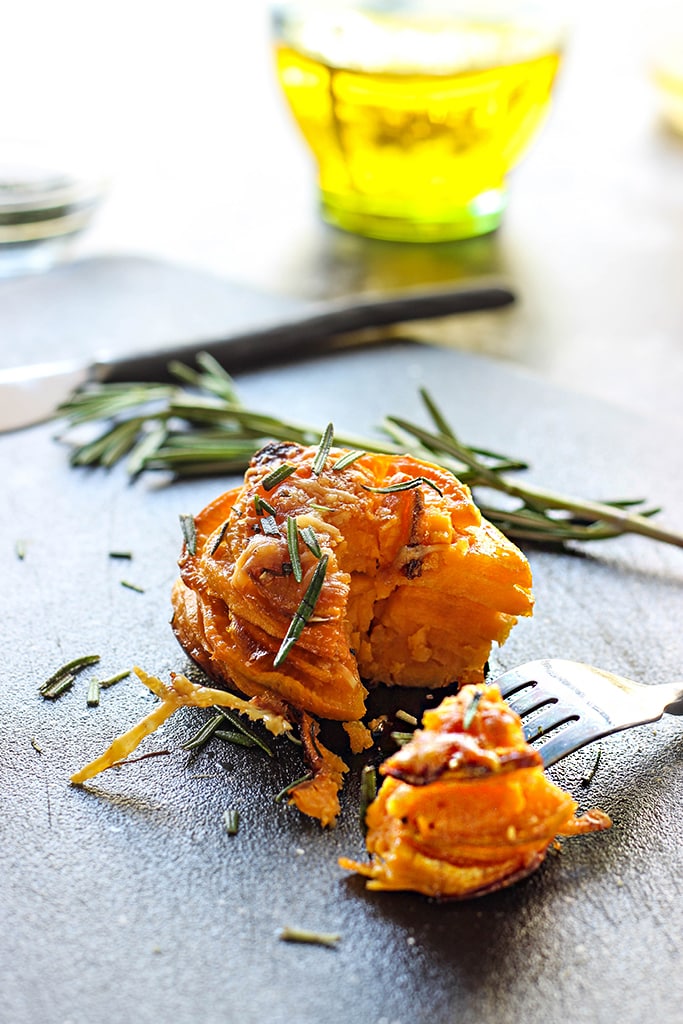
32 394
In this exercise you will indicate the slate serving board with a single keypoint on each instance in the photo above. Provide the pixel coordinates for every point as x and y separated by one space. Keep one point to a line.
127 901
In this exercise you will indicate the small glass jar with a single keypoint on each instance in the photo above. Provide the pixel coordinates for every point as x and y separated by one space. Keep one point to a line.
415 112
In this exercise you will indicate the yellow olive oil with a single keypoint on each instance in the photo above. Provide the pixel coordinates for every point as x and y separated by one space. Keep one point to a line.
408 151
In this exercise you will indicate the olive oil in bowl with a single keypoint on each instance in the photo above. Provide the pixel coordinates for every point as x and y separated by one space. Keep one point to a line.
416 121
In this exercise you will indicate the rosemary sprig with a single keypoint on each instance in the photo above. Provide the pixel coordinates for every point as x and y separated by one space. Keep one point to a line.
201 427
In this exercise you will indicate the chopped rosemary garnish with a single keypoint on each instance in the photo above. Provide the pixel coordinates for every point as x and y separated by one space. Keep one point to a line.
308 536
132 586
471 710
590 775
404 485
293 548
111 680
93 697
270 527
323 450
231 818
368 792
279 474
233 736
208 430
36 745
261 506
292 786
405 716
204 733
329 939
303 612
219 539
68 671
20 549
59 687
189 528
126 555
345 460
239 725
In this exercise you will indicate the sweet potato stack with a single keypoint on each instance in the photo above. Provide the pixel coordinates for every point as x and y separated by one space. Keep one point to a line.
312 581
465 807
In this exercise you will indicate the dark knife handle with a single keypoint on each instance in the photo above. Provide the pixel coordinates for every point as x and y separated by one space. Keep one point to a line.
309 333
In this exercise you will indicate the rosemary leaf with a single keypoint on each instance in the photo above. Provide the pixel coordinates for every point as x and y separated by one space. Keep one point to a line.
234 719
132 586
368 792
284 470
111 680
231 818
471 710
308 536
323 450
233 736
70 669
303 612
203 734
57 688
405 716
189 528
293 548
270 527
303 935
404 485
93 697
261 505
292 786
345 460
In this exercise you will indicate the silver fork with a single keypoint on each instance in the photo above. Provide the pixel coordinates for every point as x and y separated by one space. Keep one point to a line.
565 705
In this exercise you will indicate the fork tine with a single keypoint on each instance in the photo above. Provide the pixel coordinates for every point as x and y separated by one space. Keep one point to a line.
516 679
567 742
550 718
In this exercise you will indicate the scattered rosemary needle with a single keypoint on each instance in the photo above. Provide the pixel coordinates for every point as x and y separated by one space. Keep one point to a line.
231 817
125 555
132 586
323 450
208 430
405 716
368 792
329 939
279 797
20 549
471 710
308 536
67 671
93 697
36 745
590 775
277 476
404 485
204 734
189 528
112 680
303 612
293 548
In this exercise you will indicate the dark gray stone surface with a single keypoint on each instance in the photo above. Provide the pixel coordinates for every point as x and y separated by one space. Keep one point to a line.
126 901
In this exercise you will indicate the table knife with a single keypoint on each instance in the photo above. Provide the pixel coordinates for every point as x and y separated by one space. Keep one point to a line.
32 394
